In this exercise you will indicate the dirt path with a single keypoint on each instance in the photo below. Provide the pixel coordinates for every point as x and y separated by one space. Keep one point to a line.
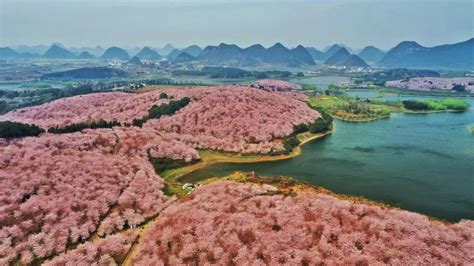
141 231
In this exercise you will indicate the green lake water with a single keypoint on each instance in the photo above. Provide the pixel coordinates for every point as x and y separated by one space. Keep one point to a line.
422 163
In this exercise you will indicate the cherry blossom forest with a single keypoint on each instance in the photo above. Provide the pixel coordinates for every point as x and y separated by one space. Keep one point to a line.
93 197
433 83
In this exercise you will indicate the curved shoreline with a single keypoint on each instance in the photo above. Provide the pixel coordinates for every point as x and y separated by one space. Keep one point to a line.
402 111
412 92
407 111
360 120
289 186
209 157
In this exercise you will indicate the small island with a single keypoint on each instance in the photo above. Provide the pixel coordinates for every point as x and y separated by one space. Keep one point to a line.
431 106
336 101
349 109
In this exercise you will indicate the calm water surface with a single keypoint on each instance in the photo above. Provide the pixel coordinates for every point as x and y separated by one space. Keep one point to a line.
422 163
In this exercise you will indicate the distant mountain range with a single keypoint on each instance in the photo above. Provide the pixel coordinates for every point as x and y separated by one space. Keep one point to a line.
166 50
407 54
231 54
135 61
412 55
87 73
343 58
184 57
192 50
302 55
148 54
8 53
371 54
332 49
173 54
33 49
116 53
97 51
86 55
57 52
322 56
316 54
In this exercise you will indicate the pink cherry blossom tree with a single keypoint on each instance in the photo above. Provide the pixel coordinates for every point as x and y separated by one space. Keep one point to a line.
235 223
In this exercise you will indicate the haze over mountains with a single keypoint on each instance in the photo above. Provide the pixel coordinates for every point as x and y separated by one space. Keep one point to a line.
343 58
166 50
192 50
325 54
57 52
9 53
371 54
148 54
116 53
86 55
173 54
407 54
278 54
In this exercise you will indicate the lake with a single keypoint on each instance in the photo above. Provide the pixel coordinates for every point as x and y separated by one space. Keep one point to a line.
419 162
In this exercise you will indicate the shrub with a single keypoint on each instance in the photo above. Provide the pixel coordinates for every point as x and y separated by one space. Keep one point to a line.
138 122
259 75
75 127
435 105
300 128
459 87
163 163
318 126
415 105
455 104
157 111
226 72
377 101
291 143
385 111
11 130
4 107
451 104
321 124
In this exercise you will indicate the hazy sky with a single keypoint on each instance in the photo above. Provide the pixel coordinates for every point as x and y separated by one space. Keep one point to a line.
317 23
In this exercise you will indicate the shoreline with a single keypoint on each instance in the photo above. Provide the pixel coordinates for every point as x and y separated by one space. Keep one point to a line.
407 111
290 186
208 157
360 120
401 111
409 92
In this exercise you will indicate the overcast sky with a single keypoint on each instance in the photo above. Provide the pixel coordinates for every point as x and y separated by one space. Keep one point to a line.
317 23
